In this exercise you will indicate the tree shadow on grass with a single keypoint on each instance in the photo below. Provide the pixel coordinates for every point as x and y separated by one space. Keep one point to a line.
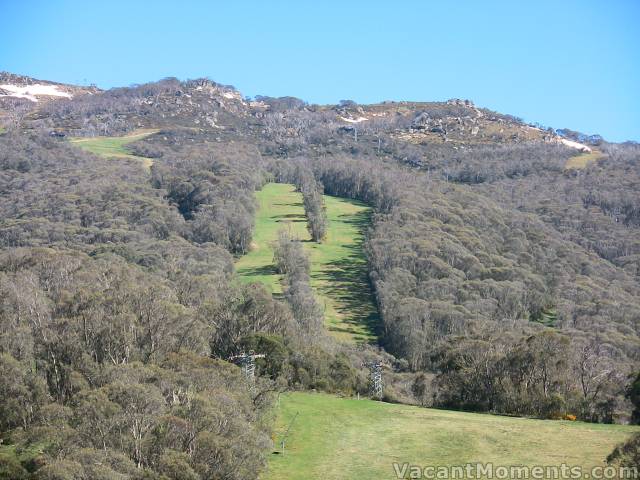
262 270
348 285
361 220
347 282
290 204
289 215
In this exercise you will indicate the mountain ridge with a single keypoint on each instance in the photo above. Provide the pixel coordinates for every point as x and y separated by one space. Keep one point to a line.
457 120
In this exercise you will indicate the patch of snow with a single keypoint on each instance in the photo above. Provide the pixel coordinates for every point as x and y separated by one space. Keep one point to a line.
354 120
578 146
31 92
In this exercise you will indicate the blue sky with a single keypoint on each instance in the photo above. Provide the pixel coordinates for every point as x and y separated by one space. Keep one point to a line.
560 63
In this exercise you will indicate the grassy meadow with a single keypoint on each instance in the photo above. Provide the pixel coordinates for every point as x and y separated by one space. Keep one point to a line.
338 438
338 267
115 146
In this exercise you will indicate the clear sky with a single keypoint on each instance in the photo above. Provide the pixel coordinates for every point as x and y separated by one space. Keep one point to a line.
562 63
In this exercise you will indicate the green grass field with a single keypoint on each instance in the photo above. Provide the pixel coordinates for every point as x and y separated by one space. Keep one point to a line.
338 438
115 146
338 275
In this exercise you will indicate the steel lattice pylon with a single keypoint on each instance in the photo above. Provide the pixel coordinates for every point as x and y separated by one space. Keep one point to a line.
247 361
375 376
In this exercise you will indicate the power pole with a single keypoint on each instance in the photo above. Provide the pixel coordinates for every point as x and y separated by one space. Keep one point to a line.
286 434
375 376
247 361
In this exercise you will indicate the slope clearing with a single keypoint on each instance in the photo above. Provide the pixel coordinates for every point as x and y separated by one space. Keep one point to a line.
337 438
338 267
115 146
583 159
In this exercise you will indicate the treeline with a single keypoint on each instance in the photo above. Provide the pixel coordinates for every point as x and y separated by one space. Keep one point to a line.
312 196
292 261
548 374
483 163
315 210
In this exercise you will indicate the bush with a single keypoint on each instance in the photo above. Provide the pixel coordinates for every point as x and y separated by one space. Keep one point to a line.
11 469
626 454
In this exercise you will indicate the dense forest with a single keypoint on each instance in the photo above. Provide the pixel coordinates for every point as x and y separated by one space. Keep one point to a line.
505 282
119 307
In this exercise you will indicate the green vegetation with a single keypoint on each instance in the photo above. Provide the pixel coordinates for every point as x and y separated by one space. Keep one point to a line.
583 159
115 146
548 317
12 460
279 206
334 438
338 267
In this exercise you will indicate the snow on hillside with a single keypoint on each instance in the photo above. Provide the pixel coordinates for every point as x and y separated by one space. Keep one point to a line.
32 92
232 95
354 120
578 146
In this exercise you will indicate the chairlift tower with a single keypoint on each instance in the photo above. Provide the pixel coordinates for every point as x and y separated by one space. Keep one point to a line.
247 361
375 376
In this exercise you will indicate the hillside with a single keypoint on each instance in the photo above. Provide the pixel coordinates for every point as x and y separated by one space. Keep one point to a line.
37 91
21 95
452 245
338 270
329 436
